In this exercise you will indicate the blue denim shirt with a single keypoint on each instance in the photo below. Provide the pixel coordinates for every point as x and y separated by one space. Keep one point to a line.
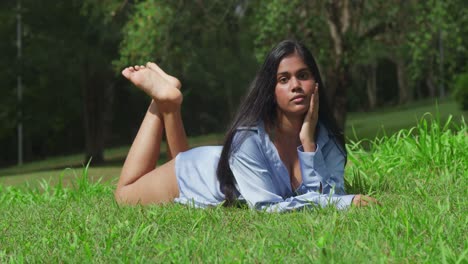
261 177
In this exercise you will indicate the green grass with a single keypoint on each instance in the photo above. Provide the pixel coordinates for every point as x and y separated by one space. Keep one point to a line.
419 175
49 168
387 121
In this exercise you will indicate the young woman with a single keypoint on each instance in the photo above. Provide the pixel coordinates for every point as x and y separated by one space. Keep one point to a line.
282 152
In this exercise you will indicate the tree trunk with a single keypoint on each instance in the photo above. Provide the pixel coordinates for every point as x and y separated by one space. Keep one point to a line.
371 84
430 86
405 93
338 19
430 83
98 96
341 98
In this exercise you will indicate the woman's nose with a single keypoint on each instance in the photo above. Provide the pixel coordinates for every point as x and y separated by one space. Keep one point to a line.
296 84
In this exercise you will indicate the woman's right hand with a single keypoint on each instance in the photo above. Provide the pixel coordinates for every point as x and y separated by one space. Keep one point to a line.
307 133
363 200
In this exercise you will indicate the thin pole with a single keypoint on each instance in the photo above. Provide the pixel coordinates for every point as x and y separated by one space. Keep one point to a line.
441 65
20 88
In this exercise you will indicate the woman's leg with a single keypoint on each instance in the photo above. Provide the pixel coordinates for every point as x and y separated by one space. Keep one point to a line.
140 181
175 132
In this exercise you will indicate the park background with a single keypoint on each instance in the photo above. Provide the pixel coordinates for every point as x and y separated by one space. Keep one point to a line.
372 55
385 64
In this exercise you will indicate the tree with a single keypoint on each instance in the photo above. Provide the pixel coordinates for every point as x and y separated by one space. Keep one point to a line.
88 45
336 29
68 49
200 42
8 98
438 44
104 20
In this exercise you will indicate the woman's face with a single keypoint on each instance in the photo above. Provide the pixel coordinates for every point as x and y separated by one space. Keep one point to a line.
294 85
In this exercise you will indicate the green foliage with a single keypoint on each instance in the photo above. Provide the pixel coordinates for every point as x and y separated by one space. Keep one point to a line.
65 45
144 33
374 33
202 44
273 21
438 23
460 92
420 180
172 33
104 11
8 78
46 81
407 32
213 47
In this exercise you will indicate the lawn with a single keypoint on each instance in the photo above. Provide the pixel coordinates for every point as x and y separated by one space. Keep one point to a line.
49 169
391 120
419 176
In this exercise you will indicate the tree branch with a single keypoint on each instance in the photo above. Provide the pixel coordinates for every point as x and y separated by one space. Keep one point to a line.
333 24
375 30
345 17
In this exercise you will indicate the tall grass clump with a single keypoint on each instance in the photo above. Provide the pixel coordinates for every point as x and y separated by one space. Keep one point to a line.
431 152
420 176
82 187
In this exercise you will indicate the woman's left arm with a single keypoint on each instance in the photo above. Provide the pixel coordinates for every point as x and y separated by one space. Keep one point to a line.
325 165
319 163
261 189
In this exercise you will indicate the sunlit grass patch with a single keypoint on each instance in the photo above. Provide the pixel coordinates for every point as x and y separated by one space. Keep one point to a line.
411 158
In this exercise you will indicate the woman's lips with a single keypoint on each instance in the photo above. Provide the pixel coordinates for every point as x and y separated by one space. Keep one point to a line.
298 99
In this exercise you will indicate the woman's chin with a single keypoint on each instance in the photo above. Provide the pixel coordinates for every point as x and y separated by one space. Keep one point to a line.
300 109
296 111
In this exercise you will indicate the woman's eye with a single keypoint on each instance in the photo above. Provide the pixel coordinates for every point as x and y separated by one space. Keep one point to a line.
304 76
283 80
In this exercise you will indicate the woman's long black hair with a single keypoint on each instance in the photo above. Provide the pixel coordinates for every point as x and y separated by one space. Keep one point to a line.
259 104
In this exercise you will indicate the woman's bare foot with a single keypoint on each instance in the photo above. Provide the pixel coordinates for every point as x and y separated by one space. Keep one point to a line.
163 90
172 80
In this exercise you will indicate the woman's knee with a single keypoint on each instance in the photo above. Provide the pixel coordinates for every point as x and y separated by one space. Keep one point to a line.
121 195
157 186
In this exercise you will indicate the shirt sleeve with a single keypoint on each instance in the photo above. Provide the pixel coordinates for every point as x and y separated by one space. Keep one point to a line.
326 166
261 189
